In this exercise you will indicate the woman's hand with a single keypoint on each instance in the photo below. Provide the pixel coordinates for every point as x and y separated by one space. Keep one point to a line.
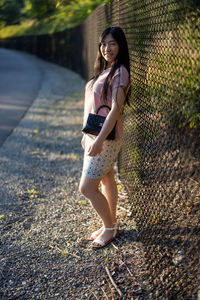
83 142
95 148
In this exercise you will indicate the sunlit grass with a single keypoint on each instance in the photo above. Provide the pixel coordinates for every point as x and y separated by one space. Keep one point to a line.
34 27
14 30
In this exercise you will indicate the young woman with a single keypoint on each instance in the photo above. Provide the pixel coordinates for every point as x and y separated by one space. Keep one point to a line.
108 87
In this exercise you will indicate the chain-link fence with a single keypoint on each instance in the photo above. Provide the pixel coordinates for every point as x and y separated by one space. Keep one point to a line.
160 161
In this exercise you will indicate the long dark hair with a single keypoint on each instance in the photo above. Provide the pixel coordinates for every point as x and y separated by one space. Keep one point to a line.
121 59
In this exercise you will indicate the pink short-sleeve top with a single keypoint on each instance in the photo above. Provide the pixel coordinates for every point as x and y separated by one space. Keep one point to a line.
93 99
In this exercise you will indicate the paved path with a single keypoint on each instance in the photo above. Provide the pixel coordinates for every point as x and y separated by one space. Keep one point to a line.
21 76
25 113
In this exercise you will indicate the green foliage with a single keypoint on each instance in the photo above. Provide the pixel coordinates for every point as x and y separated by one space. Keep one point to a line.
75 12
107 1
9 12
49 16
39 9
179 103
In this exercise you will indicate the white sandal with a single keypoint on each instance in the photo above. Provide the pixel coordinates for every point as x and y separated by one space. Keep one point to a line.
98 243
95 234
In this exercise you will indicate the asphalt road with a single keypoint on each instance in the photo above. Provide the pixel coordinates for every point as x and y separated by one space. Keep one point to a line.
20 80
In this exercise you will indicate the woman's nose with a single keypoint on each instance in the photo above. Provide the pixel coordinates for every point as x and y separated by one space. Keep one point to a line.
107 48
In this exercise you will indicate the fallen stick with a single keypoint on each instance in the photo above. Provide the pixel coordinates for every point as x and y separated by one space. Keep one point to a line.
93 294
115 246
104 294
113 283
123 263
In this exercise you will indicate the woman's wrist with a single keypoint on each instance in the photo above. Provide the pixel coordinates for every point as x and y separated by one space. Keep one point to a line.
100 139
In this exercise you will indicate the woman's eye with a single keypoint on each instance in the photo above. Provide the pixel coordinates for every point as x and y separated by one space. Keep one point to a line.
109 44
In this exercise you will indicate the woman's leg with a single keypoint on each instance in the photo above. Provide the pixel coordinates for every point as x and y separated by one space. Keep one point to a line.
109 190
90 189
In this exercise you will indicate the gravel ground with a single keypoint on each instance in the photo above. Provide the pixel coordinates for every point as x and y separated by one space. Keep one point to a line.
45 221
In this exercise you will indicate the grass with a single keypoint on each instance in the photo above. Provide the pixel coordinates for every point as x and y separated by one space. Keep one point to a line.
34 27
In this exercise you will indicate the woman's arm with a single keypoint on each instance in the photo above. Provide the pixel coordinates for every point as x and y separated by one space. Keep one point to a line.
88 102
118 97
87 110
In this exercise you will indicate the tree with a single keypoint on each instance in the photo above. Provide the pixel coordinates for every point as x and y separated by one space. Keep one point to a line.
10 11
40 9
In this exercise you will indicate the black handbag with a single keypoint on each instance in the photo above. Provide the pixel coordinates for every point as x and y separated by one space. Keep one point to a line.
95 123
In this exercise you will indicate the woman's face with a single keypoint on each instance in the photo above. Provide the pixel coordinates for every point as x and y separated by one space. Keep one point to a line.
109 49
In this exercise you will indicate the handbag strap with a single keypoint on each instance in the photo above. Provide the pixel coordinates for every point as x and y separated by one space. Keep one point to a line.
100 107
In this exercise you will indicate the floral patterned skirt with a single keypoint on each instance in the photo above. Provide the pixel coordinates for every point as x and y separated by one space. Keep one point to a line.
98 166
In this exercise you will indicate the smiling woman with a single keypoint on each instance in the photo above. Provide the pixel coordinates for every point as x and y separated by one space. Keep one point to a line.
109 49
108 87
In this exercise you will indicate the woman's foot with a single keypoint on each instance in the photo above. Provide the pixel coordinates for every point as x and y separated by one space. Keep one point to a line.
103 239
95 234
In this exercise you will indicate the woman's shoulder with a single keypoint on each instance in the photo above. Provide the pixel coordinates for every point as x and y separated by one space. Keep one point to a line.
122 70
121 77
89 84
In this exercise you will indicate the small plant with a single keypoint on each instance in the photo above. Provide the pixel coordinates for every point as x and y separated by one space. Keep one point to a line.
74 156
35 131
34 195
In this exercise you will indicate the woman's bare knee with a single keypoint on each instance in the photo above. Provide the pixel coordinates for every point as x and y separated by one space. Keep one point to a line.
88 187
87 190
83 188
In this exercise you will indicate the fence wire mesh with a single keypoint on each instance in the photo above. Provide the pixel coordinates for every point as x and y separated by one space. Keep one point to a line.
159 164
